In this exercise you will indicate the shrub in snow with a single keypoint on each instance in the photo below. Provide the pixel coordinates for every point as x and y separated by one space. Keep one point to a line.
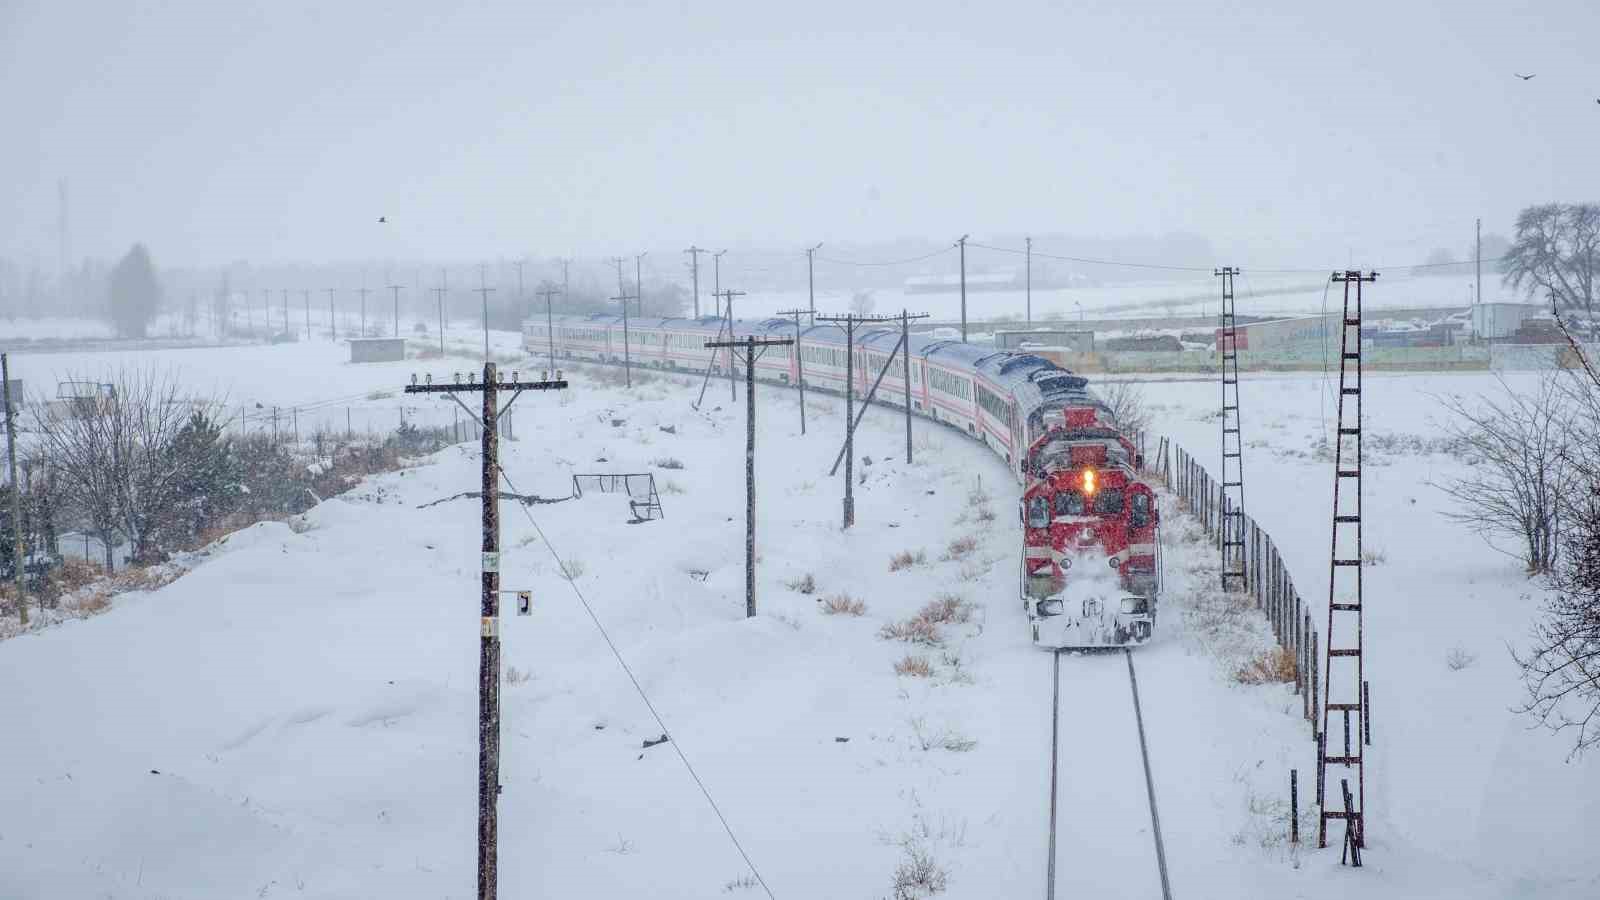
1458 658
919 876
915 666
805 584
940 738
667 462
843 604
905 559
742 883
515 676
572 569
1373 557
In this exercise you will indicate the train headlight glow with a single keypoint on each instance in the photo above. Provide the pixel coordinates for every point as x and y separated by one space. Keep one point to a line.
1088 482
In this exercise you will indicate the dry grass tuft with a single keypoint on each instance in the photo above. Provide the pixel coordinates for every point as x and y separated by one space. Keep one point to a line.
843 605
919 876
1458 658
915 630
905 559
946 609
1275 666
573 569
915 666
960 548
516 676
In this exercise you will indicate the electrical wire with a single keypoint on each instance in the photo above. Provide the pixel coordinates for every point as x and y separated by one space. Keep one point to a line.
889 262
676 747
1095 262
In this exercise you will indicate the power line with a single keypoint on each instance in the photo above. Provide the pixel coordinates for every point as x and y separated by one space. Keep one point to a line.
890 262
639 689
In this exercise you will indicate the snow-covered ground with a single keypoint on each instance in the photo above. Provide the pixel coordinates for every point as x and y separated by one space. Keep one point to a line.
297 715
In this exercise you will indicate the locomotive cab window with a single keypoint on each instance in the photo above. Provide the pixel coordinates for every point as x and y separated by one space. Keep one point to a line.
1139 510
1109 502
1038 512
1069 503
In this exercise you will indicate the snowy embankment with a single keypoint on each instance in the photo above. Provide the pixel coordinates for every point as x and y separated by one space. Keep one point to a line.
297 715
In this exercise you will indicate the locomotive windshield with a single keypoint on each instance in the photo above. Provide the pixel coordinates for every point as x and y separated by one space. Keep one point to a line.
1069 503
1109 502
1139 516
1038 512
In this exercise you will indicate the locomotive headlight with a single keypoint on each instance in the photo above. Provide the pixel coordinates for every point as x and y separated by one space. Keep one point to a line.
1088 482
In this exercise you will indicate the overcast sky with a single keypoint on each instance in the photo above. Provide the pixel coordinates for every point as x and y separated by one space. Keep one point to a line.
1287 133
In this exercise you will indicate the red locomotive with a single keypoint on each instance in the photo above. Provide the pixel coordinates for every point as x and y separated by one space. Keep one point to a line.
1090 564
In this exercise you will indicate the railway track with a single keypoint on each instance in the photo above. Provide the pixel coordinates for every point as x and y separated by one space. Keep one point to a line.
1105 830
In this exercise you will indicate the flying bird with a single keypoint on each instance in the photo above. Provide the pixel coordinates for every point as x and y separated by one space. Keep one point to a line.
1524 77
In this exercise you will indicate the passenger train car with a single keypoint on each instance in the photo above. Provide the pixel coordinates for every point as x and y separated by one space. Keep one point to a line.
1017 404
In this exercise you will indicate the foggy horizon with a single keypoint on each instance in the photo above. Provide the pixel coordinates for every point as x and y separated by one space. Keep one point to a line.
214 135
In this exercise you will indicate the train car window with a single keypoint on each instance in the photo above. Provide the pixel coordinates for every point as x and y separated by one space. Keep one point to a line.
1109 502
1139 510
1038 512
1069 503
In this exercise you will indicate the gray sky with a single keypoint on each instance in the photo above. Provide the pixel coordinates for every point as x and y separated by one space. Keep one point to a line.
1284 132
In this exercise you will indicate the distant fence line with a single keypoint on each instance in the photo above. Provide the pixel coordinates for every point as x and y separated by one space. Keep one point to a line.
295 424
1268 581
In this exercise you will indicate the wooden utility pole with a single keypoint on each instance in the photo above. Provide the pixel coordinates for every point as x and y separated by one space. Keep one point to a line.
799 364
286 314
16 490
1029 242
753 347
694 263
333 316
485 290
1477 260
905 359
627 352
811 279
548 291
363 292
728 296
307 296
396 288
638 281
962 243
489 622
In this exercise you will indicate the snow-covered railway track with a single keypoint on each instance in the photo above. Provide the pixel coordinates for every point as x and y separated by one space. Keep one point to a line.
1105 832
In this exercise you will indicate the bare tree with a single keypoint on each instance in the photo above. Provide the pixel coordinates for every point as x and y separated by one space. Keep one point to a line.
113 460
1125 399
1561 666
1556 254
1518 449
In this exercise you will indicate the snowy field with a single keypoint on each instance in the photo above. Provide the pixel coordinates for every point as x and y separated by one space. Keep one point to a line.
297 716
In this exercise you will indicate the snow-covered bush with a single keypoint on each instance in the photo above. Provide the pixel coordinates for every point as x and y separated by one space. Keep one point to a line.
805 584
947 609
919 875
1275 665
1458 658
960 548
573 568
915 630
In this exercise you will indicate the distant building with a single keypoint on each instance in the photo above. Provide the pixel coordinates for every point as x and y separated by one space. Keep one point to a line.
1276 333
1500 321
1075 341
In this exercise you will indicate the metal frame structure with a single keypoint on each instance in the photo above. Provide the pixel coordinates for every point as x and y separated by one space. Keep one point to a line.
1343 664
1231 536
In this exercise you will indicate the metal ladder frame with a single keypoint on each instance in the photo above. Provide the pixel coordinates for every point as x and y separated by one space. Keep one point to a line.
1231 534
1345 606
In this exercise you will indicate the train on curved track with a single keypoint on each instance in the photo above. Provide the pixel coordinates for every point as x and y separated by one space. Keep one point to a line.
1090 571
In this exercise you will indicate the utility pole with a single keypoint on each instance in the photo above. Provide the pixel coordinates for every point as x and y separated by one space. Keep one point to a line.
333 317
566 286
439 295
962 243
849 320
16 491
905 376
728 295
364 292
799 364
753 348
485 290
489 621
638 281
1029 242
307 297
549 327
811 279
694 262
396 288
520 294
286 313
1477 257
716 273
627 352
852 420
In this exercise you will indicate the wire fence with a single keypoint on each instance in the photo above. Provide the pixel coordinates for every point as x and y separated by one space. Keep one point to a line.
294 425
